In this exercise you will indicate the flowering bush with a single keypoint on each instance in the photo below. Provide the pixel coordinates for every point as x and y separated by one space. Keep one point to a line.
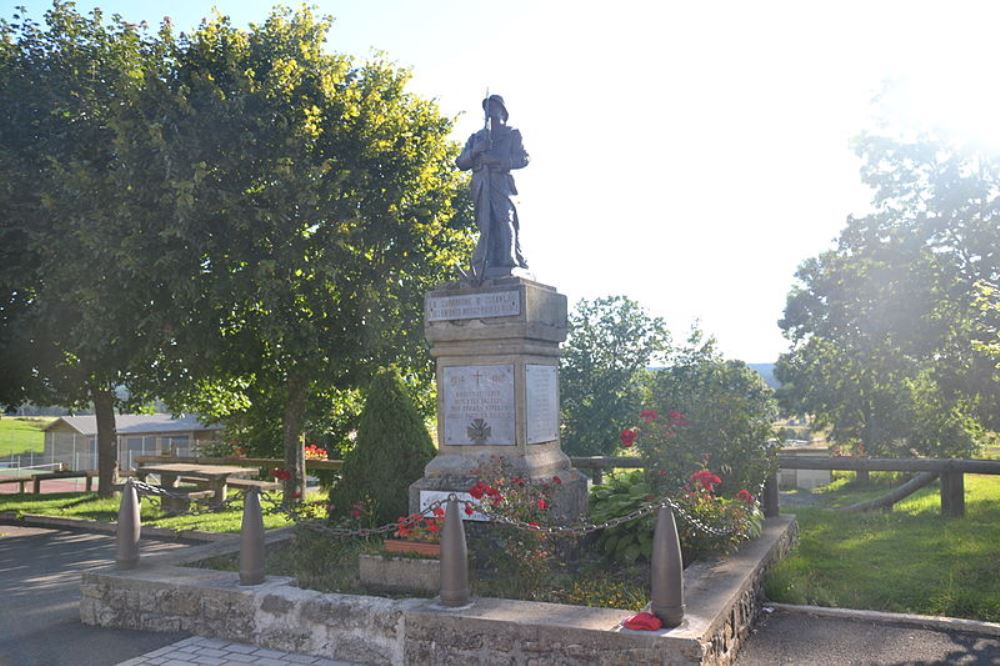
739 517
314 452
418 527
524 554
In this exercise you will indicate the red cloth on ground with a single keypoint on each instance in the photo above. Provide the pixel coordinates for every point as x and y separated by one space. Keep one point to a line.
643 622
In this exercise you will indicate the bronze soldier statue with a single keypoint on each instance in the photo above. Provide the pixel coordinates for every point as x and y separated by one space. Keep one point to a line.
491 153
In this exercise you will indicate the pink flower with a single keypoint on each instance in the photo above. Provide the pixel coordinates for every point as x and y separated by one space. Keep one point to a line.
648 415
628 437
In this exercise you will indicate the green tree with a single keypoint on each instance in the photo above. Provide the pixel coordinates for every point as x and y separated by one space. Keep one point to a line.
710 412
303 204
392 448
612 341
882 326
67 275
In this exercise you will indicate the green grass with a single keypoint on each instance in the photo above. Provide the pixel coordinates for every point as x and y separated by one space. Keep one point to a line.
909 560
89 506
22 434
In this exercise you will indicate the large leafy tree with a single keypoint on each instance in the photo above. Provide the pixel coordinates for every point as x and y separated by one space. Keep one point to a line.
721 414
612 342
882 327
302 204
75 316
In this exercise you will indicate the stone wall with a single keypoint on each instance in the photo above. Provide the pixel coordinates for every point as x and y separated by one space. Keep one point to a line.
723 598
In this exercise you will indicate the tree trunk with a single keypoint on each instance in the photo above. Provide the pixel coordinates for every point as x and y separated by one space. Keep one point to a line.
107 440
897 494
294 440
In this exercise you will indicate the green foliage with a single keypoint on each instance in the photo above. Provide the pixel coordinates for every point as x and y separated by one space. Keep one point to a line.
726 412
887 333
22 434
392 448
611 343
632 541
908 560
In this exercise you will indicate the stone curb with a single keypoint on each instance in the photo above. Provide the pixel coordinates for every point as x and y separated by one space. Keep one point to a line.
938 622
98 527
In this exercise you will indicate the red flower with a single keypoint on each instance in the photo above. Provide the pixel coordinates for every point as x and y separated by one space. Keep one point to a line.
518 481
469 510
433 527
297 494
648 415
281 474
707 479
477 490
542 504
556 480
438 511
533 524
628 437
355 513
494 493
677 418
745 496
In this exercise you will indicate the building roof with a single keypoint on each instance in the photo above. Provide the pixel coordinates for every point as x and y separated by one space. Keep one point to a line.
134 424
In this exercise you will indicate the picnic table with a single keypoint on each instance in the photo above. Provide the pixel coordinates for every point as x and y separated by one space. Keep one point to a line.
212 477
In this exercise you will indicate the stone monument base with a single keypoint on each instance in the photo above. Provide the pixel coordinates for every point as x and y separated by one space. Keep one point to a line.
569 498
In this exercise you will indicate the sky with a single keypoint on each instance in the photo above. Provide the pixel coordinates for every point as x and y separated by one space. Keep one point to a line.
689 155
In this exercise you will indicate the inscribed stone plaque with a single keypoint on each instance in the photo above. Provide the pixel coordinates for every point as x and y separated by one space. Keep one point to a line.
541 387
428 497
474 306
478 404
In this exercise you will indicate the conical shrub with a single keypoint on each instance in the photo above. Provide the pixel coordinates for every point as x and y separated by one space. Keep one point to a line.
390 452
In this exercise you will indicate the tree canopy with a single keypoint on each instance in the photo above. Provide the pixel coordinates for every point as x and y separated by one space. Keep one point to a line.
612 341
882 326
224 217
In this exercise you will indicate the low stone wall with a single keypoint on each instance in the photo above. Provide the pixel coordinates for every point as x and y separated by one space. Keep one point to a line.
723 598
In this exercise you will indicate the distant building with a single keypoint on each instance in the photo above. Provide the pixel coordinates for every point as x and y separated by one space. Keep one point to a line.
72 440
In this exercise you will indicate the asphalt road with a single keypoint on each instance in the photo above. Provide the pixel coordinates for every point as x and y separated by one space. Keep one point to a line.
40 596
798 638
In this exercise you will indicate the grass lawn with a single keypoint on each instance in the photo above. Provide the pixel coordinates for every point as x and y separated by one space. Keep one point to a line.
89 506
908 560
22 433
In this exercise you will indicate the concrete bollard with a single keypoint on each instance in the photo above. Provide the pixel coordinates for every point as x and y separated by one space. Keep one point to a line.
771 499
129 528
454 559
667 599
252 540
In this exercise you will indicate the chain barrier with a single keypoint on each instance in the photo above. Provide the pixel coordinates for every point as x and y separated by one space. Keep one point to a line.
295 514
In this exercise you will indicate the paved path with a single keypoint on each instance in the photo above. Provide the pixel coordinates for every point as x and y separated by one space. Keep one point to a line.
798 638
196 651
40 596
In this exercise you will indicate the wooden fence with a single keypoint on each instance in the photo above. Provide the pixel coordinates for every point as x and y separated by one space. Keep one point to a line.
951 470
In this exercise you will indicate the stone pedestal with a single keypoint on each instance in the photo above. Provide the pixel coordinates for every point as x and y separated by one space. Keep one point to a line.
497 352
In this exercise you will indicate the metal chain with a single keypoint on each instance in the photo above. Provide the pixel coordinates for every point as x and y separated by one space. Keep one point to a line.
320 525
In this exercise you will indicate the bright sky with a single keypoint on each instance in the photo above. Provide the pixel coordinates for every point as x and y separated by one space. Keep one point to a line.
689 155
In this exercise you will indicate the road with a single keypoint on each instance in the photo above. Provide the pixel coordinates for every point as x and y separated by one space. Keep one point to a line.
40 595
800 639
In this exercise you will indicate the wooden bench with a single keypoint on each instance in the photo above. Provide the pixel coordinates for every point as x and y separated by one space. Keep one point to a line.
36 479
254 483
19 480
175 505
